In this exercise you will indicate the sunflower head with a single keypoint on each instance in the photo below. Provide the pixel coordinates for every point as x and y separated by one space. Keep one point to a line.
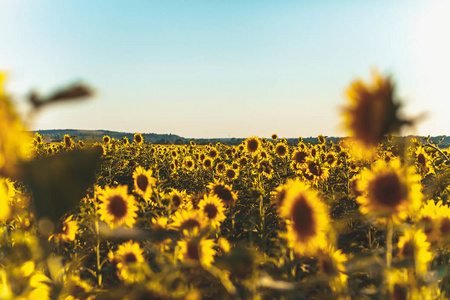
144 183
129 256
414 248
307 218
213 209
186 221
117 207
281 150
224 192
106 139
138 139
274 136
252 145
372 111
390 191
196 250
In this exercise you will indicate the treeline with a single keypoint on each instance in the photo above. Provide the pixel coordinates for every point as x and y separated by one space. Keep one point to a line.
57 135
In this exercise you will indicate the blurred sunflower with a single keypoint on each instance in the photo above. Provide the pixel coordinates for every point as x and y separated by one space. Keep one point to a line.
389 191
68 231
231 173
117 207
207 163
265 167
321 139
106 139
67 141
188 220
128 254
220 167
194 250
274 136
252 145
299 156
138 139
5 202
224 192
413 247
331 264
144 183
331 159
423 161
307 219
372 111
177 199
315 172
213 153
213 210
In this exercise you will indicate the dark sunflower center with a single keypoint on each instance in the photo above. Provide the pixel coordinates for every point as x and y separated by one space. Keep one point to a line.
252 145
230 173
243 161
427 225
313 152
189 224
211 210
130 258
314 169
117 206
221 167
213 153
223 193
421 158
304 223
176 201
207 163
281 150
192 250
142 182
387 190
67 141
330 158
189 164
300 157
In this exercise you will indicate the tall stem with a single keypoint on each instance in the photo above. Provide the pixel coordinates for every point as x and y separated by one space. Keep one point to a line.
390 232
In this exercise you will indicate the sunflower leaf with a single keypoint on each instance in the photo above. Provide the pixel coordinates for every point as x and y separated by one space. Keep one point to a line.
59 182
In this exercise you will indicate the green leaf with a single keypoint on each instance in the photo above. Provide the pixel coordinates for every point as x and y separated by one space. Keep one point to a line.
60 181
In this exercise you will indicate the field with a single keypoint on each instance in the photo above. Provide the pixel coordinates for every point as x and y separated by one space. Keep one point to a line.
362 218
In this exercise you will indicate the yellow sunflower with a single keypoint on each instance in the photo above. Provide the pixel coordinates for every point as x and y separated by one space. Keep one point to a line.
144 183
372 111
138 139
315 172
331 264
252 145
223 192
413 247
274 136
331 159
196 250
117 207
106 139
307 219
188 220
281 150
390 191
207 163
68 232
127 256
5 203
300 156
67 141
231 173
423 161
189 164
213 209
177 199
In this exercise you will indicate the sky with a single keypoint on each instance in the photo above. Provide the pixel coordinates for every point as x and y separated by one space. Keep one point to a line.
204 69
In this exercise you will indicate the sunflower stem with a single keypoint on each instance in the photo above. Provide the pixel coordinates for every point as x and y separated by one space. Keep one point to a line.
390 232
97 248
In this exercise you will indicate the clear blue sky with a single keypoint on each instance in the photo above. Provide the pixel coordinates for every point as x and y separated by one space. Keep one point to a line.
225 68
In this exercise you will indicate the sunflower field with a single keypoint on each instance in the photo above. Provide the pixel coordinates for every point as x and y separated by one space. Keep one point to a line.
367 217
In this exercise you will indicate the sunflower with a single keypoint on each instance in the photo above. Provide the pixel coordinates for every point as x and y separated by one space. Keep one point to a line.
5 203
189 164
223 192
213 210
281 150
331 264
220 167
243 161
372 111
196 250
434 219
315 172
75 288
331 159
207 163
138 139
231 173
117 207
279 194
127 256
299 156
106 139
423 161
252 145
413 247
144 183
213 153
321 139
307 219
67 141
389 191
188 220
68 231
265 167
274 136
177 199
